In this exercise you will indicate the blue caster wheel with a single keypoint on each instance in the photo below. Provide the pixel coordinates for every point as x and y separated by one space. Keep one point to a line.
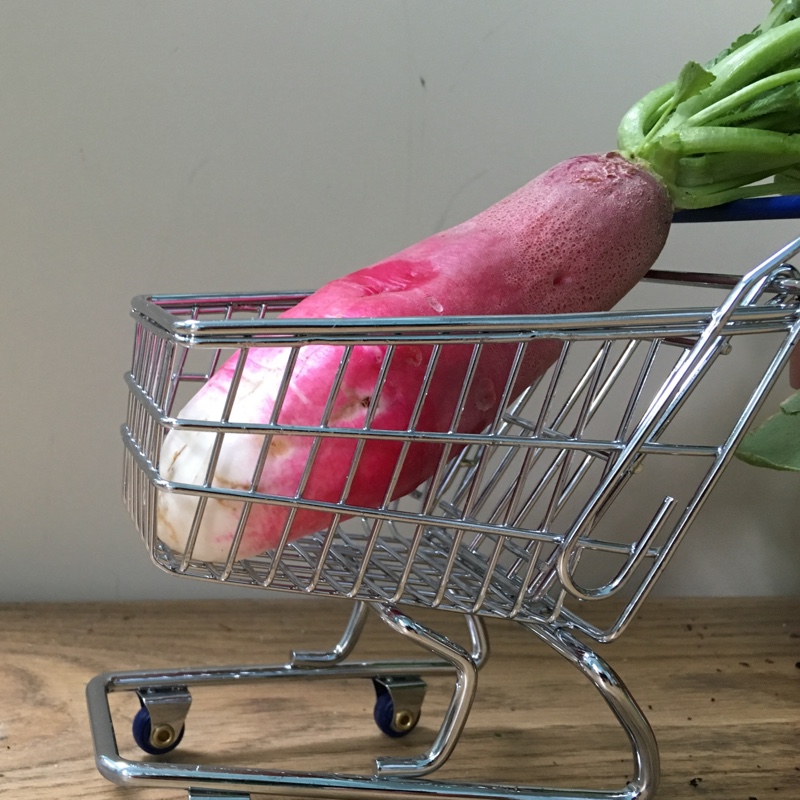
166 738
397 705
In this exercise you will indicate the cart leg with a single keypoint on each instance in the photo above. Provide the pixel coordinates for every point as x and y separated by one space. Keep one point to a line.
352 631
355 625
455 718
611 688
479 640
399 697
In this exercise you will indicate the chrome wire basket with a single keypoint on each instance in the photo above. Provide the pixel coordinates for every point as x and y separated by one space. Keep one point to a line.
579 490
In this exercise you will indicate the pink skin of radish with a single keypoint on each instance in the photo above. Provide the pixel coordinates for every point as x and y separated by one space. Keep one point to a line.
577 238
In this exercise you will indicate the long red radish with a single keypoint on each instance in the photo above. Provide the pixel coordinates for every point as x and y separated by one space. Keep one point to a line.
577 238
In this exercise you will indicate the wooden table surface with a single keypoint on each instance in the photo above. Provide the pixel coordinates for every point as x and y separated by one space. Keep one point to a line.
719 680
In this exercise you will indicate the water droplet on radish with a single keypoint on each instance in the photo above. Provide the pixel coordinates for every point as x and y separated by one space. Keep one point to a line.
435 304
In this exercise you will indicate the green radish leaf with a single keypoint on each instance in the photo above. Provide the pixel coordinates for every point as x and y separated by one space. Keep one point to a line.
792 404
718 132
775 444
741 40
692 79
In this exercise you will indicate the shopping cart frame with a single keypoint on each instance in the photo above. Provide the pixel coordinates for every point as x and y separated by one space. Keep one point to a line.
702 334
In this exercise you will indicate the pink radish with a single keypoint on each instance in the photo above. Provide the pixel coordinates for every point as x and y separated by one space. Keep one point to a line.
577 238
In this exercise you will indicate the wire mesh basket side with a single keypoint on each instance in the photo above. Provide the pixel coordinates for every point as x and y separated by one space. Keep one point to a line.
563 496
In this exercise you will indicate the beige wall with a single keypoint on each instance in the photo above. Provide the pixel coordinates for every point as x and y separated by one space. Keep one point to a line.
162 146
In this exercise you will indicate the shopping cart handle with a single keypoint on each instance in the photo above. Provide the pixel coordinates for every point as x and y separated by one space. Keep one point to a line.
785 207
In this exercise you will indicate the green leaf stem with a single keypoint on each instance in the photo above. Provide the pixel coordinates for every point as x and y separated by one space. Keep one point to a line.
729 129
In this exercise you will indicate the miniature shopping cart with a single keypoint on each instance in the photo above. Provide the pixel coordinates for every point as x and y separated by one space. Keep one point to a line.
579 490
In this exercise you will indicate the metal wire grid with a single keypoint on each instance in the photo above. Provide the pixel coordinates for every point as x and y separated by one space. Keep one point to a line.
525 518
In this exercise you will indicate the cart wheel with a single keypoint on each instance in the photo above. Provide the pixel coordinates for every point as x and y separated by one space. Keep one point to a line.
142 731
397 705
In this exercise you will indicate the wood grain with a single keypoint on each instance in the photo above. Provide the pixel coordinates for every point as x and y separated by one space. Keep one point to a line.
719 680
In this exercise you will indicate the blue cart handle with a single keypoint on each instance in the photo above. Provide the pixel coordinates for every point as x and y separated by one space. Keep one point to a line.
784 207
